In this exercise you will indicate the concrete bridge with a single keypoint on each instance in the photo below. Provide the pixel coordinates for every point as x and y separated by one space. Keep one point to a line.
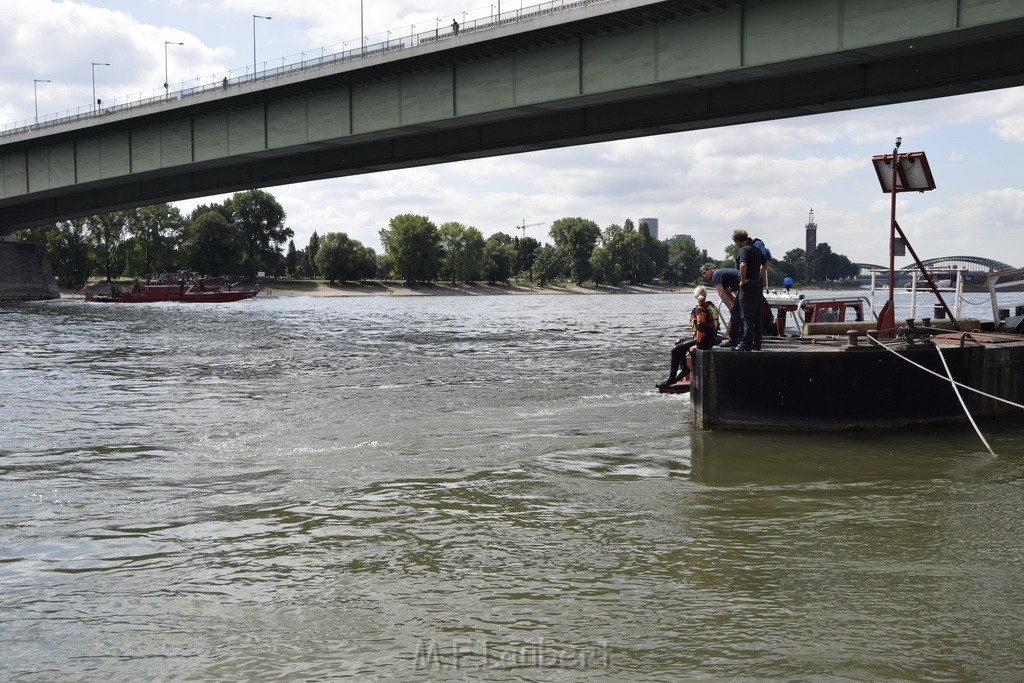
559 74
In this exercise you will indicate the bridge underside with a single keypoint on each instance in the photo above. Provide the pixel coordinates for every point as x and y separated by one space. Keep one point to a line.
610 72
978 61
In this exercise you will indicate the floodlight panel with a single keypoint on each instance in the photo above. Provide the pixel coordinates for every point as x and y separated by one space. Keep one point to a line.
912 174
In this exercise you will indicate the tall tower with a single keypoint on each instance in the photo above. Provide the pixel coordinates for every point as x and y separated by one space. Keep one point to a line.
652 225
812 234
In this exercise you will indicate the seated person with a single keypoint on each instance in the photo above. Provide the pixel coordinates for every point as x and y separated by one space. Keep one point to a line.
705 328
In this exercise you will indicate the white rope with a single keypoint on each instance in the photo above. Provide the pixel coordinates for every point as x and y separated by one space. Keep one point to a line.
963 405
949 379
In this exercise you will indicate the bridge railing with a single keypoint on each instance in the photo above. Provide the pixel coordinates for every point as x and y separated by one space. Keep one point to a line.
294 64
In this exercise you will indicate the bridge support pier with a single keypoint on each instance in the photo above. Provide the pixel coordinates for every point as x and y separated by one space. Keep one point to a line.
26 273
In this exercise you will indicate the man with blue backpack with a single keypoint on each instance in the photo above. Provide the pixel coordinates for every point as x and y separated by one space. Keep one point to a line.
765 251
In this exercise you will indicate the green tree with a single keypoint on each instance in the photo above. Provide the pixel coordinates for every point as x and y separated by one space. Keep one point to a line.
224 209
611 235
794 264
366 264
684 261
385 267
341 258
301 264
657 251
211 244
611 239
311 249
107 232
462 252
499 258
632 254
795 255
156 232
526 250
291 259
576 238
604 268
502 238
259 219
824 264
413 246
548 264
731 252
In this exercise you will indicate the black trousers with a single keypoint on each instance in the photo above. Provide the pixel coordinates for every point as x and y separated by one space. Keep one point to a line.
679 352
751 313
735 328
683 347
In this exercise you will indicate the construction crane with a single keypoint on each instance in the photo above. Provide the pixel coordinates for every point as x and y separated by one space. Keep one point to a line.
524 226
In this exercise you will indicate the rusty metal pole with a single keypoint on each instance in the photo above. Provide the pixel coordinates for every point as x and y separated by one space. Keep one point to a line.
892 224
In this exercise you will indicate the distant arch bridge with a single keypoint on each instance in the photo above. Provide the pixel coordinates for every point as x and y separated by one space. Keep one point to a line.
971 264
968 263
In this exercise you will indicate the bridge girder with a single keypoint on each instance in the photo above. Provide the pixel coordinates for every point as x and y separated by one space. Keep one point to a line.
73 165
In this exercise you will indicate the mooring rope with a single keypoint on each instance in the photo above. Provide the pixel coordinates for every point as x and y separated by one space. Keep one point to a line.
949 379
956 388
963 405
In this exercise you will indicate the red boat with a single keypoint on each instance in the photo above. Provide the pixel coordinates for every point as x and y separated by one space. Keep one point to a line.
182 287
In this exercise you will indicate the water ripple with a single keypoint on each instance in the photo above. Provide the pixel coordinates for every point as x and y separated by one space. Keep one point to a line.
468 488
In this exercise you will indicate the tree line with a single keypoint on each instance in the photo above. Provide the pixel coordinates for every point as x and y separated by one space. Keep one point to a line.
246 234
240 236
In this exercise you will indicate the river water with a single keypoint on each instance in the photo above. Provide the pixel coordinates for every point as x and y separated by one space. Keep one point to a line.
486 488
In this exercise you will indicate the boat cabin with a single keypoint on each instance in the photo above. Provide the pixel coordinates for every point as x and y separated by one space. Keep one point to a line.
814 311
833 310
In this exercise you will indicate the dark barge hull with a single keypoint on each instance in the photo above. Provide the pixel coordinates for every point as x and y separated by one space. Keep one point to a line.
825 385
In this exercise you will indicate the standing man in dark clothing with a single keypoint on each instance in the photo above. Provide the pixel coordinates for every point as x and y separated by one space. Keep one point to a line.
750 262
767 319
726 282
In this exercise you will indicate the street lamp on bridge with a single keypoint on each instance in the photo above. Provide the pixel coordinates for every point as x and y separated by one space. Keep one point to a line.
167 91
35 93
95 102
254 18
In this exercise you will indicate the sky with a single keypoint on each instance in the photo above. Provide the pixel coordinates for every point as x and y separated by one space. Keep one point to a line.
764 177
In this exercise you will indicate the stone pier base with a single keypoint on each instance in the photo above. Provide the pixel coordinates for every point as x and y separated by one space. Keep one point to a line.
25 272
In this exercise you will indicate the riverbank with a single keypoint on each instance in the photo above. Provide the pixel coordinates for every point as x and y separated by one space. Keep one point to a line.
319 288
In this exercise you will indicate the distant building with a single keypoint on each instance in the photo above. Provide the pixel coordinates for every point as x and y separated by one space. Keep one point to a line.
673 238
812 234
652 225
